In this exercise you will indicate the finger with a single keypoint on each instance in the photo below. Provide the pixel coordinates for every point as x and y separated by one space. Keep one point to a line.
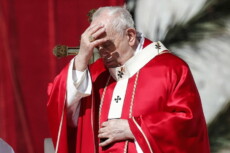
92 26
99 33
104 124
95 28
90 30
98 42
102 135
106 142
102 130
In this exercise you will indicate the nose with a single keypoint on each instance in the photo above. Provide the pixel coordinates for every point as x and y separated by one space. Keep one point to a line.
103 52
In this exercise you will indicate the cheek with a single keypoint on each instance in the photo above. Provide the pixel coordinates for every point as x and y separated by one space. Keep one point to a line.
112 48
122 49
115 55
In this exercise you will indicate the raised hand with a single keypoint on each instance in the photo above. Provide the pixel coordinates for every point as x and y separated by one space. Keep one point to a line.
91 38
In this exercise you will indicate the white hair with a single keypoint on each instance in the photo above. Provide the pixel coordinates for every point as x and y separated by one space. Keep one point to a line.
122 18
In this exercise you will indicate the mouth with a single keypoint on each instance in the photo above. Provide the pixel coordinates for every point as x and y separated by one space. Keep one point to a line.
110 60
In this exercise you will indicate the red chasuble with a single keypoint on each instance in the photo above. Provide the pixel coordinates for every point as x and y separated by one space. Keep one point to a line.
167 114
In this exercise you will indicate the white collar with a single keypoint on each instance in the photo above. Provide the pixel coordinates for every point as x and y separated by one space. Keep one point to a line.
141 57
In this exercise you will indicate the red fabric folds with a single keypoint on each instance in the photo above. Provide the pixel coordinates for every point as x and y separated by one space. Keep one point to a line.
178 124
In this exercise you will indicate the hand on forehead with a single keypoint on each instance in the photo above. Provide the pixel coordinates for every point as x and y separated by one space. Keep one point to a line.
97 31
101 30
104 20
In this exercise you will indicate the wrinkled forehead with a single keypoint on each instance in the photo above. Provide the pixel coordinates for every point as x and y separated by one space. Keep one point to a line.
105 20
101 15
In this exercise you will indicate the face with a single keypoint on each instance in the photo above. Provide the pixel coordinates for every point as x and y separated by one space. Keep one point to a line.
116 50
113 50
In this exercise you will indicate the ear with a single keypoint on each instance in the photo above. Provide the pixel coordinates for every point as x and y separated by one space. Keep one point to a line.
131 36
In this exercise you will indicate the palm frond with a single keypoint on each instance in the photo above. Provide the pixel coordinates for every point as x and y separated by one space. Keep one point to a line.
219 133
210 21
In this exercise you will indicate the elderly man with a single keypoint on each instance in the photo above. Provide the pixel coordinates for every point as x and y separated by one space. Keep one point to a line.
137 98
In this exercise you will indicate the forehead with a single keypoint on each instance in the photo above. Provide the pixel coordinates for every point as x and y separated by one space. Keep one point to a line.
102 16
105 20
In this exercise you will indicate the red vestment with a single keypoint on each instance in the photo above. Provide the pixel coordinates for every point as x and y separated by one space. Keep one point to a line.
167 111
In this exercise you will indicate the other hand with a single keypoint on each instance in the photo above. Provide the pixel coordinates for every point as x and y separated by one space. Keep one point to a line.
114 130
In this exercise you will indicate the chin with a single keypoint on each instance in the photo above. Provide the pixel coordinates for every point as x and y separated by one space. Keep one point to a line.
111 65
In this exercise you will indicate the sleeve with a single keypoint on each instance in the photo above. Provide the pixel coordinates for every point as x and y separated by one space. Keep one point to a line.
180 126
79 85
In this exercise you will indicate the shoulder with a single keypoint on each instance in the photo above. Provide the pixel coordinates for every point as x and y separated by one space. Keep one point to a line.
168 64
169 60
166 58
